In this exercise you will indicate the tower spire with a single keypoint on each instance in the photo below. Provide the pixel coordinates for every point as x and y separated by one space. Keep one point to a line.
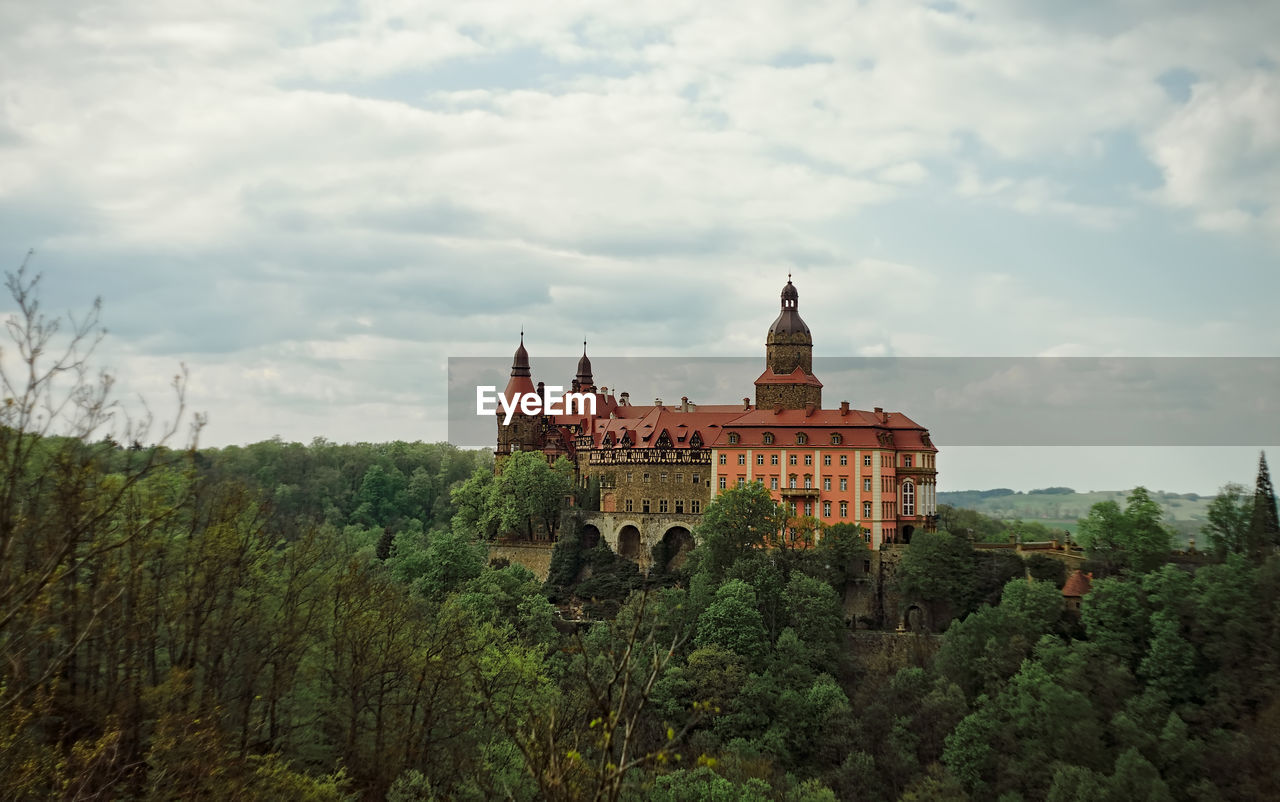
584 379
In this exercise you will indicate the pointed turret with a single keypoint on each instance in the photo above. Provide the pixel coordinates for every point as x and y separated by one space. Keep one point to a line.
585 381
520 381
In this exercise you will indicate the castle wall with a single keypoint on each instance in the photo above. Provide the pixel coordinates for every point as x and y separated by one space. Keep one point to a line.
535 557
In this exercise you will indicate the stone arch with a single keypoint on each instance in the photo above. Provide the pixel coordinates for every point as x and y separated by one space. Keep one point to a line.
677 542
915 619
629 541
907 532
590 536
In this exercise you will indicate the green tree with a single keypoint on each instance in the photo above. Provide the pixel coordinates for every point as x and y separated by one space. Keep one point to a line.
1131 539
1264 523
732 621
1229 518
737 521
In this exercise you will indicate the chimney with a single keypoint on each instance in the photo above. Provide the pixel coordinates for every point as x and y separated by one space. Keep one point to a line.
746 404
604 390
844 407
657 402
626 399
684 403
542 392
808 408
879 410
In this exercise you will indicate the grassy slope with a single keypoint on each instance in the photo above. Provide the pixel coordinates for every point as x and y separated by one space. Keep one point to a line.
1182 512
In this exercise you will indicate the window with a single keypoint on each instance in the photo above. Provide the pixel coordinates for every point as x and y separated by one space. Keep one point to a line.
722 483
866 509
808 482
826 459
679 477
866 460
826 509
679 506
742 459
908 498
844 483
628 476
742 481
733 438
866 566
724 459
515 446
662 476
791 459
759 459
826 483
791 481
844 459
644 477
768 438
906 460
628 505
695 506
773 459
695 478
866 484
836 439
802 438
808 508
808 459
844 509
773 483
793 509
662 505
644 505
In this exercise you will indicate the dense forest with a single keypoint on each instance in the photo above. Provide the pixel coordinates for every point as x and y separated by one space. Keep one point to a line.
287 621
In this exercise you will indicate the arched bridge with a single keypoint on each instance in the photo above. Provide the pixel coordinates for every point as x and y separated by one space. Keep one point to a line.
634 535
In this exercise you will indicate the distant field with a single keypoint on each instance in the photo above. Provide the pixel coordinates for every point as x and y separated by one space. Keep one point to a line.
1184 512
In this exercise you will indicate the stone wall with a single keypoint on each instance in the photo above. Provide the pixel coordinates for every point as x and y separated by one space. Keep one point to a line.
668 482
534 556
883 653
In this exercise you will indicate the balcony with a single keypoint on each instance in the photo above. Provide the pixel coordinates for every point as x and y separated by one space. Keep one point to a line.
799 492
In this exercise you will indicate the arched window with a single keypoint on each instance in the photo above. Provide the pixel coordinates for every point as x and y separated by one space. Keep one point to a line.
802 438
908 498
768 438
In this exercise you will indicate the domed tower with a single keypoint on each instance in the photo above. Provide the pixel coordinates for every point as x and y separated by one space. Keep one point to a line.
524 432
583 381
788 379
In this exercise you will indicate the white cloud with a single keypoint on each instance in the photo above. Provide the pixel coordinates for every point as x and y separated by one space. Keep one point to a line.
1220 153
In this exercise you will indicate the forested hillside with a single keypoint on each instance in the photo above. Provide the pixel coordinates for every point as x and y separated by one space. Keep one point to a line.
321 622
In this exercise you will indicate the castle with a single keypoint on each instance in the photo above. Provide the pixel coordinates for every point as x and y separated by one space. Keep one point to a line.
659 466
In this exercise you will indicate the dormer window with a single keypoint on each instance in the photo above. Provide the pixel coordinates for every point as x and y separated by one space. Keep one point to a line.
768 438
733 438
802 438
836 439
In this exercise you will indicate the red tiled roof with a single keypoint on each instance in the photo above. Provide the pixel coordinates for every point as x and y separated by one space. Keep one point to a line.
1078 584
796 376
857 428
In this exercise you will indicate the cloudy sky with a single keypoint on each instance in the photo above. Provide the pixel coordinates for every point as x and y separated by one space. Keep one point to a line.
312 205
